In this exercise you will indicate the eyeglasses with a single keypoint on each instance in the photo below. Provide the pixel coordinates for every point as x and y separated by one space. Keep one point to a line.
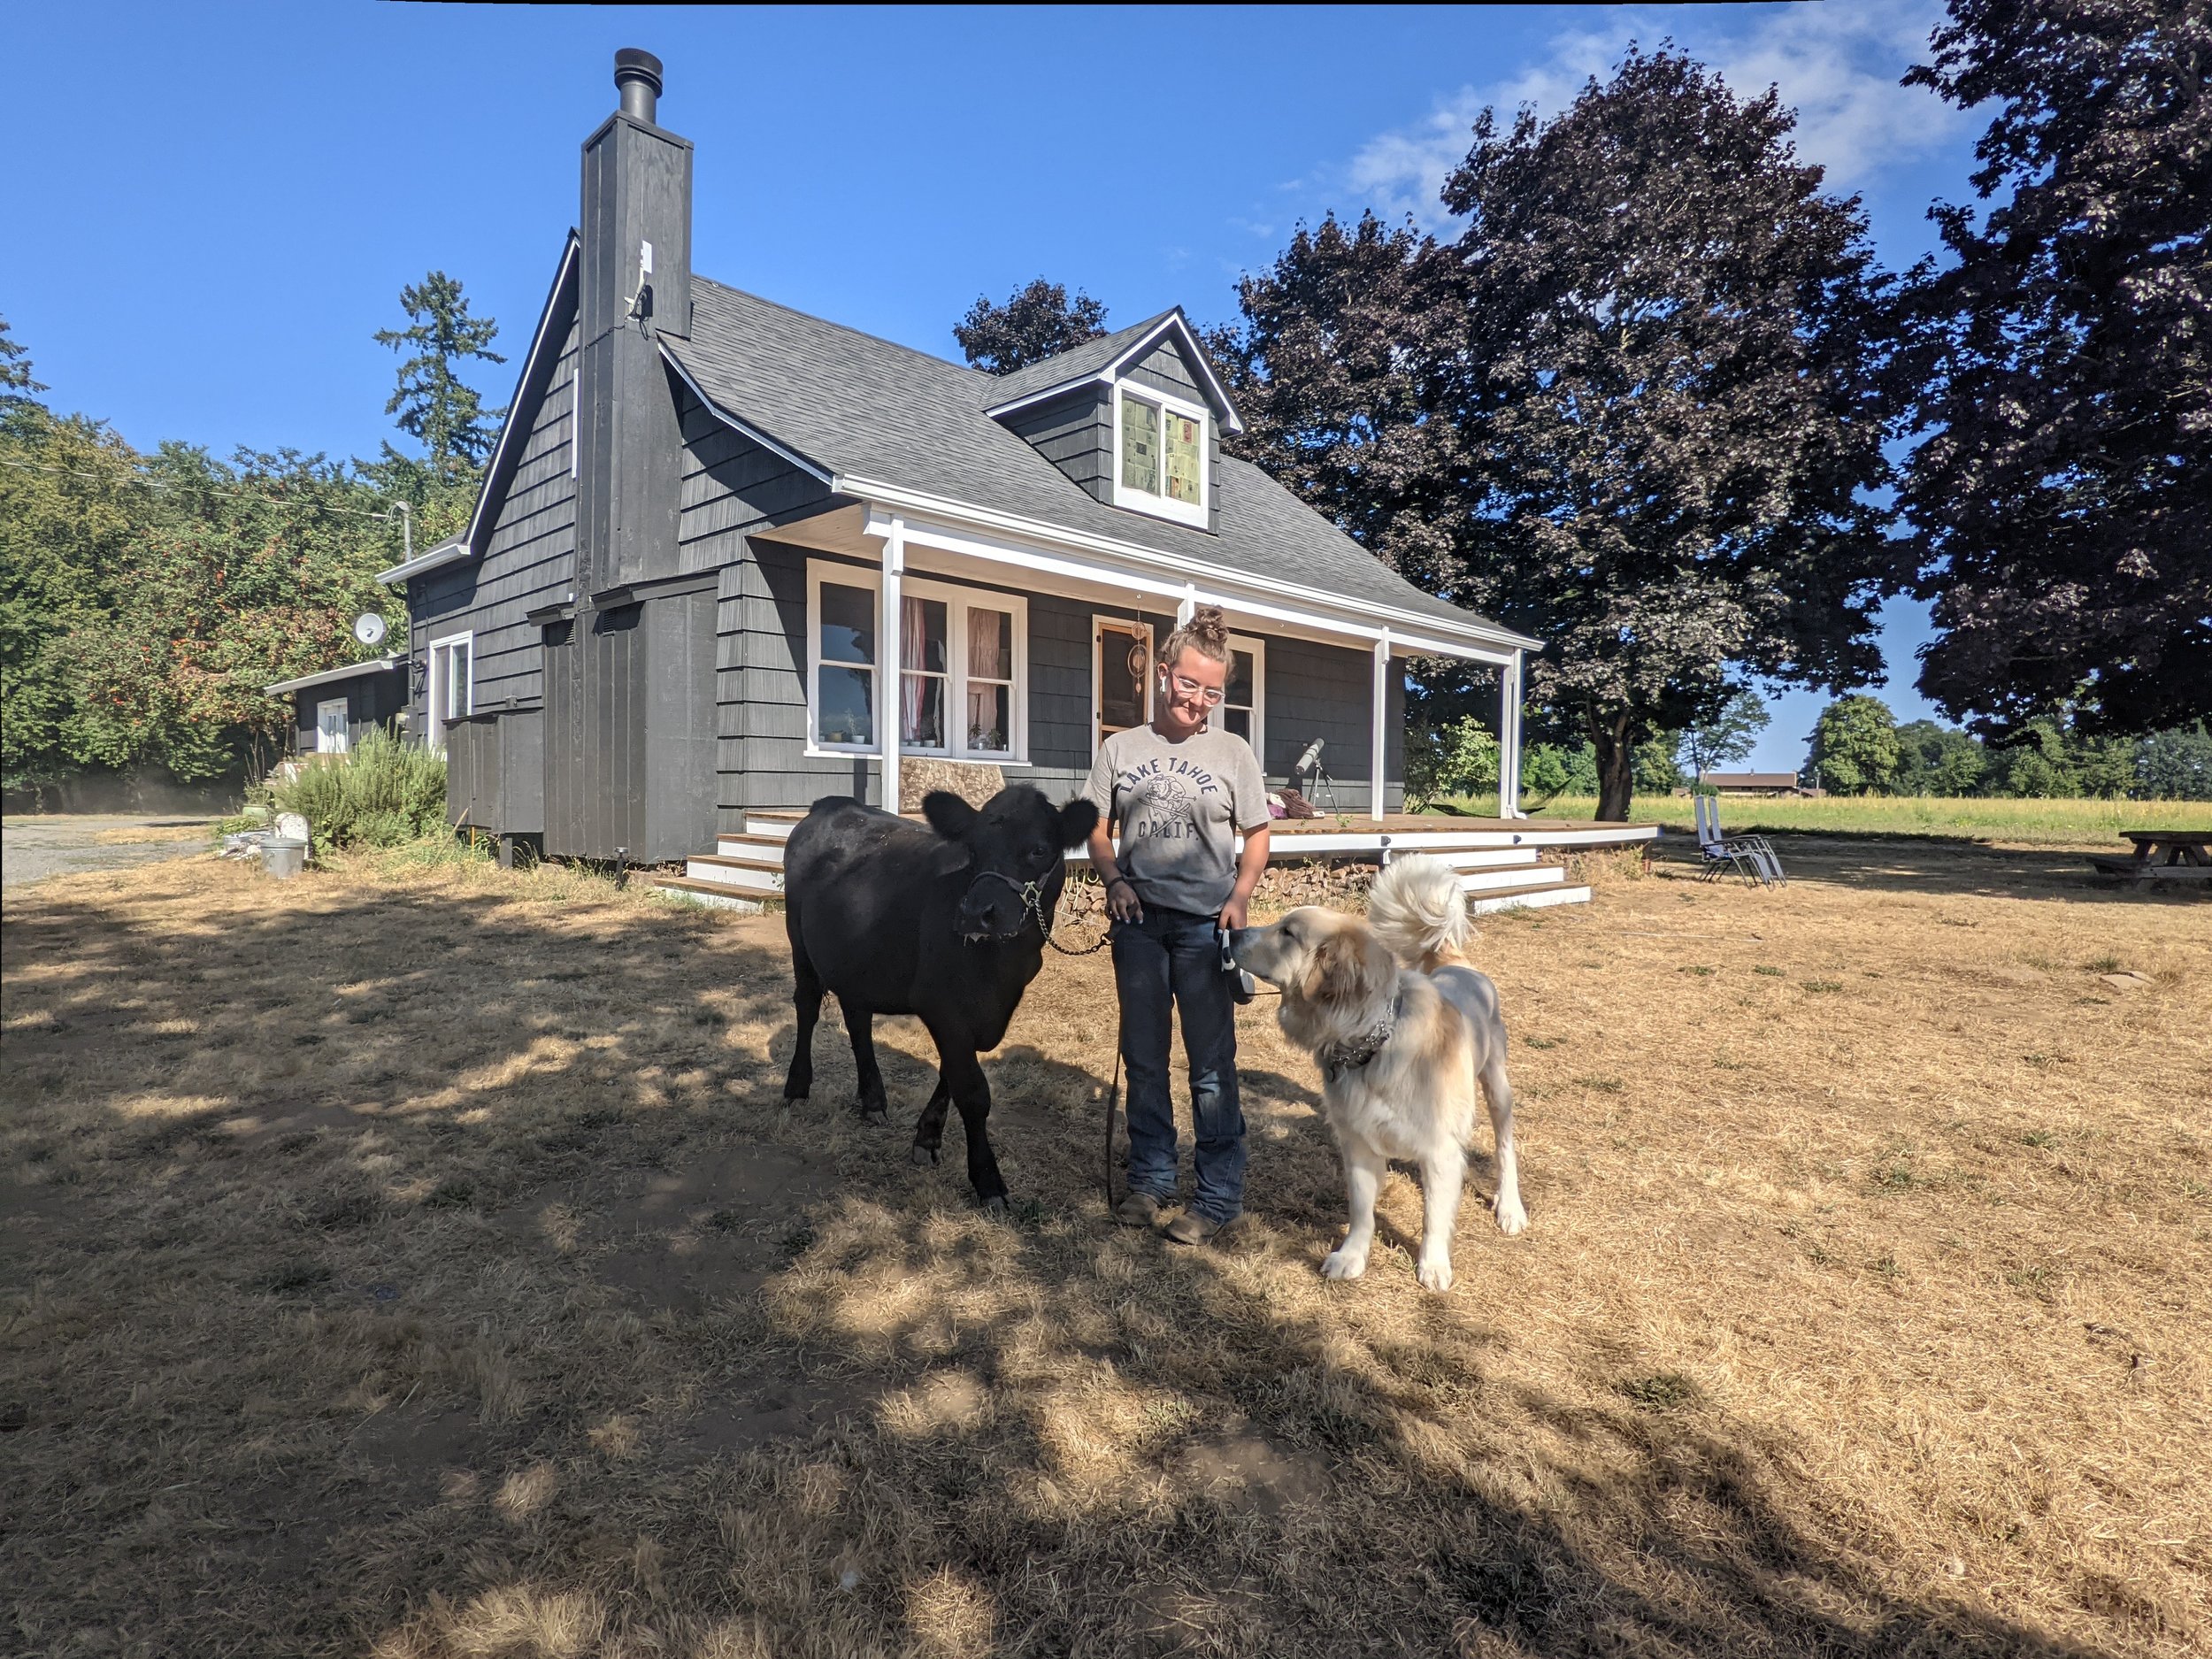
1186 687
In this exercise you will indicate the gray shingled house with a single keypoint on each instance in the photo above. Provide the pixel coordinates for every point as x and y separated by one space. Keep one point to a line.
725 551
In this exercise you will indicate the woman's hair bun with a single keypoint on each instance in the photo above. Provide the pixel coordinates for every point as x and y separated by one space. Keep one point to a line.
1207 633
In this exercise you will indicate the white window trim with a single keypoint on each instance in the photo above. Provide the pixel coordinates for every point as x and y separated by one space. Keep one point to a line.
1258 649
1124 625
436 715
956 598
1162 506
344 734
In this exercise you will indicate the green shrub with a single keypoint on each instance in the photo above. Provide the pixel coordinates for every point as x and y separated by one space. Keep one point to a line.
1457 758
383 794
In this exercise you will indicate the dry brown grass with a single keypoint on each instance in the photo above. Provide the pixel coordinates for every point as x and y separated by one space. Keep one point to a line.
421 1263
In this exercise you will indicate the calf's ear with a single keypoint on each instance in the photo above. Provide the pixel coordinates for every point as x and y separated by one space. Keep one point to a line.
1078 820
947 814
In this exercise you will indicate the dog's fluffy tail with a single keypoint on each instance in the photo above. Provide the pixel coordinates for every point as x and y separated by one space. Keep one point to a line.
1418 908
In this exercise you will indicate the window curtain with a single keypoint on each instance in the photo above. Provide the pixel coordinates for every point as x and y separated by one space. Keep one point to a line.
912 642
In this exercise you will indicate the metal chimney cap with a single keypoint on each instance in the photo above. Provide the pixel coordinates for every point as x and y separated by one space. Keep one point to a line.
634 63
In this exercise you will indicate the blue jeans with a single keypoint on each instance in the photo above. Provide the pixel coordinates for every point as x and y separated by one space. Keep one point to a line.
1174 955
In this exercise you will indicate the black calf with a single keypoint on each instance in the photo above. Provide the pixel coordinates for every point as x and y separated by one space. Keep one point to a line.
946 922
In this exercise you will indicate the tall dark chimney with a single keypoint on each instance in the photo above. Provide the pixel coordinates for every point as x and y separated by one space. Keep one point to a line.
636 286
637 76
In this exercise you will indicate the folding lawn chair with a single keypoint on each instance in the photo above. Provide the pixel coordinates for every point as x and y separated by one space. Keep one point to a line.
1751 856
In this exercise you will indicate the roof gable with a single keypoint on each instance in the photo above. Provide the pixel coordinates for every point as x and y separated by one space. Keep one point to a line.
1108 358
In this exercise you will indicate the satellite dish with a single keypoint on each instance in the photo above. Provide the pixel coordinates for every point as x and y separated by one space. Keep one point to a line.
368 628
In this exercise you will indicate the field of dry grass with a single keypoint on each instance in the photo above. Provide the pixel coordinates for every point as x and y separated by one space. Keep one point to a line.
419 1261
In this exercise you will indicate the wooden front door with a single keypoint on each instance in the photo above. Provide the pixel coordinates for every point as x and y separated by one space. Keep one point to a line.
1121 678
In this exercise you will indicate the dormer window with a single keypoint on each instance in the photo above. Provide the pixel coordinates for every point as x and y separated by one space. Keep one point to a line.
1160 460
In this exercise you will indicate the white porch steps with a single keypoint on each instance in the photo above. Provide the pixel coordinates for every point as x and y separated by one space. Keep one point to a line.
746 868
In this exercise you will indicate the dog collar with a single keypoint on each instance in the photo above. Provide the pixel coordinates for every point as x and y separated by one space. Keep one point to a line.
1341 1057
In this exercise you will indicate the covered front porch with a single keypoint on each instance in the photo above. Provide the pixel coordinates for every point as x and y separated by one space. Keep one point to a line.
1023 655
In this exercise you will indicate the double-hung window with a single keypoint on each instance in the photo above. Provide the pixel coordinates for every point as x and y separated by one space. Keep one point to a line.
452 688
1160 464
962 667
1243 700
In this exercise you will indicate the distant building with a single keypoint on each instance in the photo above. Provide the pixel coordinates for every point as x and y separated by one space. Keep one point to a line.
333 711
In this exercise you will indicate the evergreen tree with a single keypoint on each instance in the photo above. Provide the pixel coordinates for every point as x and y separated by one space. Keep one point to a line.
435 407
1036 322
18 389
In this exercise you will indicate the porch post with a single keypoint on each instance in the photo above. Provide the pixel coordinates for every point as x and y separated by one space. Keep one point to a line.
1380 714
1509 739
889 700
1188 608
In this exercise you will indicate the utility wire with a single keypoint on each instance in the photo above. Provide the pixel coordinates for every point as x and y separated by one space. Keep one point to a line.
212 489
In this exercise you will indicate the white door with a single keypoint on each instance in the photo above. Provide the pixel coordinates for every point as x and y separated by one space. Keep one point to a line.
330 726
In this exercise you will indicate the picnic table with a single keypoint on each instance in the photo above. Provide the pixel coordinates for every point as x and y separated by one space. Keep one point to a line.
2162 854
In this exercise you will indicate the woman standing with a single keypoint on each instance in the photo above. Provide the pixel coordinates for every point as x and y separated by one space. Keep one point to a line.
1181 789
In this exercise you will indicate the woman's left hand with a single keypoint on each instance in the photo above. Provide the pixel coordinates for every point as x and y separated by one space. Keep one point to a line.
1233 913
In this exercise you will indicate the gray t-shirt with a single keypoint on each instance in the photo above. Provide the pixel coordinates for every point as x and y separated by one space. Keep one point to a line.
1180 806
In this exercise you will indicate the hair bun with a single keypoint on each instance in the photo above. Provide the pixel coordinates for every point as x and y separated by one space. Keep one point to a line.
1208 624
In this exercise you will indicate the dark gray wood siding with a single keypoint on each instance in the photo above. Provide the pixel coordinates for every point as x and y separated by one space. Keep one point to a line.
529 560
496 771
1164 370
1327 691
1076 434
373 702
760 692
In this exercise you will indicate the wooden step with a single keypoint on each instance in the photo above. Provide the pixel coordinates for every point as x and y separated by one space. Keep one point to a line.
1518 876
711 893
1486 858
767 849
753 875
1525 898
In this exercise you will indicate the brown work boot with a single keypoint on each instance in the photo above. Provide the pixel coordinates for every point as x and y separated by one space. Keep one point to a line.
1138 1209
1190 1227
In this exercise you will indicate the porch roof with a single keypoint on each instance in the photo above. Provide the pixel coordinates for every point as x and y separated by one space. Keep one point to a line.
863 412
332 676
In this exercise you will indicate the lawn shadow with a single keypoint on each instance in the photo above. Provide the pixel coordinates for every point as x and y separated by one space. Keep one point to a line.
442 1274
1937 865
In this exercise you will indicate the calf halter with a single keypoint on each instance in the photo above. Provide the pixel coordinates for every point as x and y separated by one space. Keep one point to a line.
1338 1059
1033 898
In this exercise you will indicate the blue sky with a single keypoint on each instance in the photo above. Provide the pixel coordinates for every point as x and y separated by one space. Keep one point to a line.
217 204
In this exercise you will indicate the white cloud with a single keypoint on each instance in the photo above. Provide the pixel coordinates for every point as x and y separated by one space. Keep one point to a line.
1838 64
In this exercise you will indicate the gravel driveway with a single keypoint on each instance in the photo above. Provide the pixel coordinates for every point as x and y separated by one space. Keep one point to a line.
33 848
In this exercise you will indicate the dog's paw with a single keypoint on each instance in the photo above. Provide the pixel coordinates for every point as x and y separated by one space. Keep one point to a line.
1343 1264
1512 1218
1436 1275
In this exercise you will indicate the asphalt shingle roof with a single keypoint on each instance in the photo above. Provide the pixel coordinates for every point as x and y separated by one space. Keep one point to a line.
1075 364
866 408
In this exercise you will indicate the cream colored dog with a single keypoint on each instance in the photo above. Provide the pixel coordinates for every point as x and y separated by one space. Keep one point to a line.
1404 1030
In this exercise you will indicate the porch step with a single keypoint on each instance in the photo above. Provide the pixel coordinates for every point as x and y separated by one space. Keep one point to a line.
1472 881
1483 857
721 870
765 848
722 898
1529 898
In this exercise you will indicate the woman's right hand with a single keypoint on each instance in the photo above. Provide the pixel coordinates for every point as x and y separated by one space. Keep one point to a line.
1121 901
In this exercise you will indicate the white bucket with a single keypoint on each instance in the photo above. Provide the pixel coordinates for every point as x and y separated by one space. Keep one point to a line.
283 856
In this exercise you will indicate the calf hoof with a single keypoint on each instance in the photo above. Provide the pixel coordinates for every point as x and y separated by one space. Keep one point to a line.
921 1155
995 1205
796 1091
870 1113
